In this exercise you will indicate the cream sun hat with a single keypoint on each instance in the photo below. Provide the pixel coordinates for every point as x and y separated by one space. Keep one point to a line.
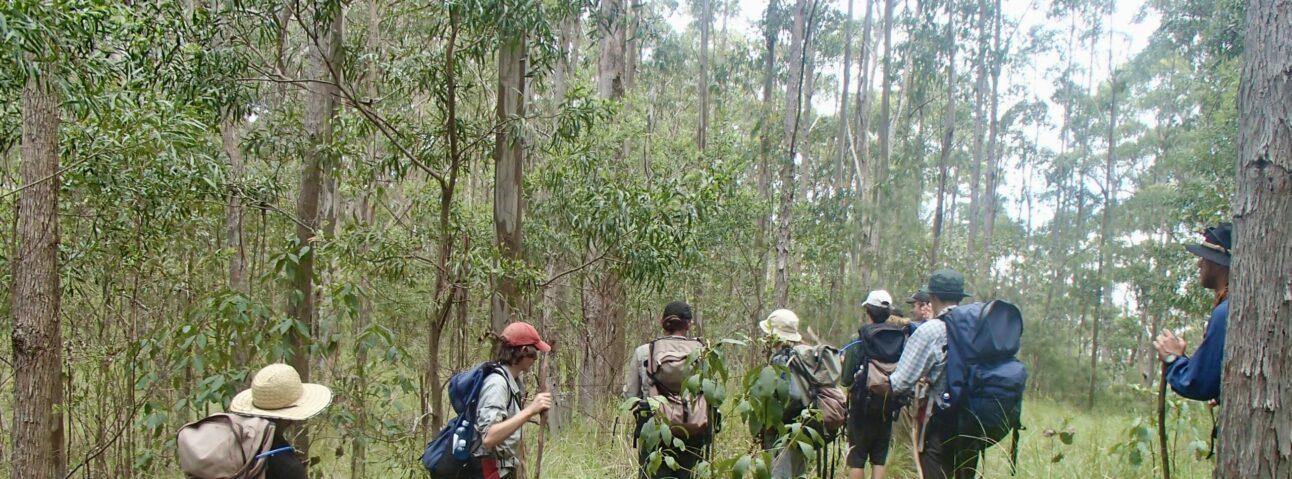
782 323
278 393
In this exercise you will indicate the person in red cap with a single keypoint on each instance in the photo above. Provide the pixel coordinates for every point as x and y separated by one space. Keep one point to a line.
499 416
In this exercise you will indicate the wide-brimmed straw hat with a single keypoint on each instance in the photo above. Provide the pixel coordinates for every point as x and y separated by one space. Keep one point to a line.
782 323
278 393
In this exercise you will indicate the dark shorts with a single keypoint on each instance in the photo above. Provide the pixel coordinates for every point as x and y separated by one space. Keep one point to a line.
868 439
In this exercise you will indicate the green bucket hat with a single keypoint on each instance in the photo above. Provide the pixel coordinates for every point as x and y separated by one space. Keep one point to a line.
947 283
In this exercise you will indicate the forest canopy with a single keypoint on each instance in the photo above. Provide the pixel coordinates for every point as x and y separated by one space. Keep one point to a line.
370 190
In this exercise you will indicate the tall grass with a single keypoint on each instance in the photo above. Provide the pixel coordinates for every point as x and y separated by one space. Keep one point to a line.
582 451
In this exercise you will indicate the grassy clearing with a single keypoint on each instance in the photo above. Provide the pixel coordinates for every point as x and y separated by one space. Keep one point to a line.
581 451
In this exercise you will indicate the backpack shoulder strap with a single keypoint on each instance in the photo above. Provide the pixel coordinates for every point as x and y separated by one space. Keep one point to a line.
650 359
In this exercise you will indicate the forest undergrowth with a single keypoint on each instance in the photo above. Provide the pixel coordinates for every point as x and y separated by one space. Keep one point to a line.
582 451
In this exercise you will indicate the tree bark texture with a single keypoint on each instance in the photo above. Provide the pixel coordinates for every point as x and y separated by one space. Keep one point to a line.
320 107
701 135
988 201
979 130
793 92
770 34
1105 229
610 63
948 135
841 139
230 138
604 350
602 300
1255 426
885 104
509 161
37 337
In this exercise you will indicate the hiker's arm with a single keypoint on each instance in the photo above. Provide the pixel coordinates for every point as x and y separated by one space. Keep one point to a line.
498 432
851 362
917 359
1198 376
632 380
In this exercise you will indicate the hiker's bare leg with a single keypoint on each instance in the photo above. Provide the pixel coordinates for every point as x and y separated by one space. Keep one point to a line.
854 473
877 472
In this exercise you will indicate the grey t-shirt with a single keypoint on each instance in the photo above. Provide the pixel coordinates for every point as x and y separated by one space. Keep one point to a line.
500 398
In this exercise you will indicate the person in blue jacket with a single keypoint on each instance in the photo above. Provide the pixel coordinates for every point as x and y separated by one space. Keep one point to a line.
1197 376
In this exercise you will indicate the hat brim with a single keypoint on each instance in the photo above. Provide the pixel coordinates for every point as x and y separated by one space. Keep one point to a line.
314 398
1209 254
766 326
542 346
959 294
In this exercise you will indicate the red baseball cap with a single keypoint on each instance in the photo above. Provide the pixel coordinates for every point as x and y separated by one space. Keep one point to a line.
521 333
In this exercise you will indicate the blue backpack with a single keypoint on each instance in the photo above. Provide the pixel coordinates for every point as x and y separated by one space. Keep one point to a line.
985 379
448 455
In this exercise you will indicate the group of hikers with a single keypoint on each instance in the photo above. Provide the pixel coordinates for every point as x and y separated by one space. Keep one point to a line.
951 367
894 363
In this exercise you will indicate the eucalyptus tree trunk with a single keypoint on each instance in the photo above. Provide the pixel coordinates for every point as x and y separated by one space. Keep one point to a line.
603 292
509 163
771 32
988 202
793 93
230 137
610 62
948 134
862 181
841 138
1105 228
1254 422
701 135
230 142
979 131
873 230
367 213
432 395
885 107
632 43
320 107
37 329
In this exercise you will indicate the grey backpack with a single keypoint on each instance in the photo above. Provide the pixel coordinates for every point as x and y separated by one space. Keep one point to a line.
225 446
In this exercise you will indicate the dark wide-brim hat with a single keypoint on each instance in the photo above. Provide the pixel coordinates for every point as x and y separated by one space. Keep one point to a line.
947 283
1217 243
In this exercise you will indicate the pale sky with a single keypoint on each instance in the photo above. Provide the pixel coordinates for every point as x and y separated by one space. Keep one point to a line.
1128 38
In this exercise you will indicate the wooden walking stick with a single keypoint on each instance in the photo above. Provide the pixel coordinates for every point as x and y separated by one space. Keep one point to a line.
544 380
920 417
1161 423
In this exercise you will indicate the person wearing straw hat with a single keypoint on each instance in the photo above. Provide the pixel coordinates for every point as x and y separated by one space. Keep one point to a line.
278 394
1198 376
499 416
782 330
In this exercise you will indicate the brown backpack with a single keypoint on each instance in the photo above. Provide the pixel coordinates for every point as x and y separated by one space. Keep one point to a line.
224 446
816 370
668 369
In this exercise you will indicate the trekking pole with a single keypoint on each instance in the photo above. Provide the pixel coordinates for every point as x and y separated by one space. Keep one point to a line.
1161 423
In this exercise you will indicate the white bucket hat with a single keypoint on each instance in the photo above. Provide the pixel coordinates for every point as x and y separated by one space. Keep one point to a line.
782 323
879 298
278 393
